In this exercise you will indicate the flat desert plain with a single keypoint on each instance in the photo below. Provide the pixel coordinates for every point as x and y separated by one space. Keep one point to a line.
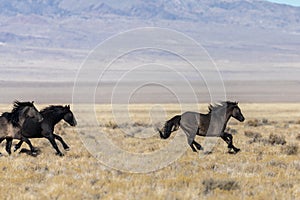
267 167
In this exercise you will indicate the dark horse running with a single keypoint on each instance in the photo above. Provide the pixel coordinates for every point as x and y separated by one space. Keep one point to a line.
212 124
52 115
12 122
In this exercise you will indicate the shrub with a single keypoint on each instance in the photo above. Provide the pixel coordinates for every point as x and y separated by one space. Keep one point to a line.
252 134
291 149
257 122
256 137
278 164
231 130
265 121
211 184
275 139
139 123
254 123
111 124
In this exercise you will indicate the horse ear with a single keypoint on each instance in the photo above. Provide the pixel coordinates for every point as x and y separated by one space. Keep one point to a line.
32 102
68 106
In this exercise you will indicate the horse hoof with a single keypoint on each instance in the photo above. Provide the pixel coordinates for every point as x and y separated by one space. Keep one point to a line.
207 152
231 151
60 154
67 149
199 147
236 150
34 153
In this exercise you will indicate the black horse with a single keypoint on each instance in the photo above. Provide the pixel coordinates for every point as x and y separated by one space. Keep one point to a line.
212 124
51 116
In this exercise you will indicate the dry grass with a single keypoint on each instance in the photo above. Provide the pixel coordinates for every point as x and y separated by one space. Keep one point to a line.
259 171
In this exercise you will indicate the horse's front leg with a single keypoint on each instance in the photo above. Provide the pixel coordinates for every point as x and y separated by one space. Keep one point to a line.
66 147
227 137
8 145
51 139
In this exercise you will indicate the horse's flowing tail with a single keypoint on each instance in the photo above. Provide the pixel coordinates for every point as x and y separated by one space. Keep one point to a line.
170 126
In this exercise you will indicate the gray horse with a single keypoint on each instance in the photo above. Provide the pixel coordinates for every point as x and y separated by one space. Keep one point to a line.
212 124
11 122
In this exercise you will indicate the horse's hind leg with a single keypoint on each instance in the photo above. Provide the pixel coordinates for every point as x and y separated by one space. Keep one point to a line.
32 149
198 146
193 148
8 145
191 138
1 139
66 147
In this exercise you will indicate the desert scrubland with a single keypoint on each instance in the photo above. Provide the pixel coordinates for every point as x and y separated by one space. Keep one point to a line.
267 167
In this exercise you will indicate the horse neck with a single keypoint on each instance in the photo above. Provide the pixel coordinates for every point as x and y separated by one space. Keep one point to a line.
221 116
22 119
53 117
227 117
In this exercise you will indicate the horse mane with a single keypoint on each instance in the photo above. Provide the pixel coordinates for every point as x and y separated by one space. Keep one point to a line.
221 105
53 109
13 116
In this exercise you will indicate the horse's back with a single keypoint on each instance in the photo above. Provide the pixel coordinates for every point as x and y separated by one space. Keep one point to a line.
195 122
190 114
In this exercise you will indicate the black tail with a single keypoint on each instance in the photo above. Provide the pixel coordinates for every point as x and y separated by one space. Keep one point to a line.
168 128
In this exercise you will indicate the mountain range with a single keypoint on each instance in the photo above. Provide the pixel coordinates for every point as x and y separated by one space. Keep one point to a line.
244 12
94 20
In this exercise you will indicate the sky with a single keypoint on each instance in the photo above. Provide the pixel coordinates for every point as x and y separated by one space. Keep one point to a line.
289 2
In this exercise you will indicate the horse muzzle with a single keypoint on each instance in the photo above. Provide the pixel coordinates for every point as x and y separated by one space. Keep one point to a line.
74 123
241 118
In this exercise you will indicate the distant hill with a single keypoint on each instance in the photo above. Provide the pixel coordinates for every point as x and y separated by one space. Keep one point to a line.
227 27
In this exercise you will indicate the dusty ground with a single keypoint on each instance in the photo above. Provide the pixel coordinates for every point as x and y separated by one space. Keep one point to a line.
268 166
